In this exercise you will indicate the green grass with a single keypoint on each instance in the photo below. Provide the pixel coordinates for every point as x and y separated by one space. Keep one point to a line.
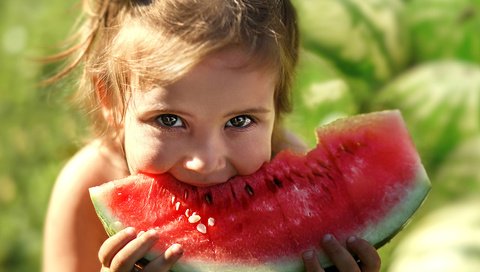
39 129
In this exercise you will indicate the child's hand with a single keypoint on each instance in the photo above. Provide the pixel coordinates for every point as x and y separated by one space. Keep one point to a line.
369 260
120 252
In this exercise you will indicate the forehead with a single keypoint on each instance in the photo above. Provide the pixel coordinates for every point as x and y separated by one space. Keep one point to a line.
224 80
237 59
233 58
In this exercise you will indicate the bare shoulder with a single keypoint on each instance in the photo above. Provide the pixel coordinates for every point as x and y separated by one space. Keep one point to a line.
72 229
95 163
289 140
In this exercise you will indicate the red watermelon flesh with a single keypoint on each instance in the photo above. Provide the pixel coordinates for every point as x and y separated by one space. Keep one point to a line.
363 178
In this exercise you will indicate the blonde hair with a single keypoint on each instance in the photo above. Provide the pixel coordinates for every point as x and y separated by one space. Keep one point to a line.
124 44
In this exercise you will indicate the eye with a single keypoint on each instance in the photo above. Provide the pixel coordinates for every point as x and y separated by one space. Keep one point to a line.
170 120
240 121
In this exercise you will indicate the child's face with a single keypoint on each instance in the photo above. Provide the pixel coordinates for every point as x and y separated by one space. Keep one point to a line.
214 123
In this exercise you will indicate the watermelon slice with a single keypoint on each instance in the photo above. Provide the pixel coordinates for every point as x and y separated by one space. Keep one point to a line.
363 178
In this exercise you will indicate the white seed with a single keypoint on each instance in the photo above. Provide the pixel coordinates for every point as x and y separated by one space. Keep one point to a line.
187 213
211 221
202 228
173 199
177 206
194 218
117 225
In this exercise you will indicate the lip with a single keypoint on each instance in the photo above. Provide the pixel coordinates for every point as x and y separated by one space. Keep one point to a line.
202 183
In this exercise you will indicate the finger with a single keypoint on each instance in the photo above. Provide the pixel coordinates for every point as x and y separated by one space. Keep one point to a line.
369 259
165 261
113 244
338 254
311 262
125 259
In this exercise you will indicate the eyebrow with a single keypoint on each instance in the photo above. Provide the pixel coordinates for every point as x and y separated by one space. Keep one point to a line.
255 110
160 108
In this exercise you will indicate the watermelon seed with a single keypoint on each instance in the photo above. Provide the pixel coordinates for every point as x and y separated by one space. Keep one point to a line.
185 195
324 165
208 198
211 221
329 177
173 200
278 182
249 190
194 218
346 149
187 213
117 225
177 206
202 228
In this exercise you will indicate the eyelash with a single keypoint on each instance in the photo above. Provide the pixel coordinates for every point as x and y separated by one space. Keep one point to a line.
249 119
162 123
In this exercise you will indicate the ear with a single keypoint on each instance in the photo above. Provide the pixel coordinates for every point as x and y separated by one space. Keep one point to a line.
102 93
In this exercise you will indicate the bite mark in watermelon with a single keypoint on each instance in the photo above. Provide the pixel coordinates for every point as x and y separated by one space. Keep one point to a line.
363 178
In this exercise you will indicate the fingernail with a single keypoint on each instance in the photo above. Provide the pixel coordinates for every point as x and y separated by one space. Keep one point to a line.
308 255
327 237
351 239
176 250
130 230
152 232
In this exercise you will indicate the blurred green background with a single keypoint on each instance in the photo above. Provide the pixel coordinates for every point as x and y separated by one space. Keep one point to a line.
420 56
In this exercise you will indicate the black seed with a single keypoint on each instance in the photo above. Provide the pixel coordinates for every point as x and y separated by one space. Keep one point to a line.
271 186
324 165
234 195
208 198
278 182
346 149
249 190
329 177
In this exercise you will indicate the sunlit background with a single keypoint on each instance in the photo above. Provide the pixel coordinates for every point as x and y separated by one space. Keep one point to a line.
420 56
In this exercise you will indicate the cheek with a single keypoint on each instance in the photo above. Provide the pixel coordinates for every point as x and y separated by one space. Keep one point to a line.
252 154
146 152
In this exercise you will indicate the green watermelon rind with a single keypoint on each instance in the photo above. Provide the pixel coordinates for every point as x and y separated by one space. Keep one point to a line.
399 215
98 199
377 234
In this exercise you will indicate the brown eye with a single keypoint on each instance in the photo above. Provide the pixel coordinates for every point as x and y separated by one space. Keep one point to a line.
240 121
170 120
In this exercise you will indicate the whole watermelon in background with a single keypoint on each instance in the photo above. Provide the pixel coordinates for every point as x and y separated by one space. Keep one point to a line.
444 29
365 39
320 95
440 102
446 240
459 174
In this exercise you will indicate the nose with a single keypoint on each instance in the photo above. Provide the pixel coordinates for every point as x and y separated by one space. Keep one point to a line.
206 156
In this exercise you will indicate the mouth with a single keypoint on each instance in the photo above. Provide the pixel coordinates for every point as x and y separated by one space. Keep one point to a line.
197 180
203 182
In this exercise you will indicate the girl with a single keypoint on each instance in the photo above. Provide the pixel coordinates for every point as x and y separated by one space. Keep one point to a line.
187 87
